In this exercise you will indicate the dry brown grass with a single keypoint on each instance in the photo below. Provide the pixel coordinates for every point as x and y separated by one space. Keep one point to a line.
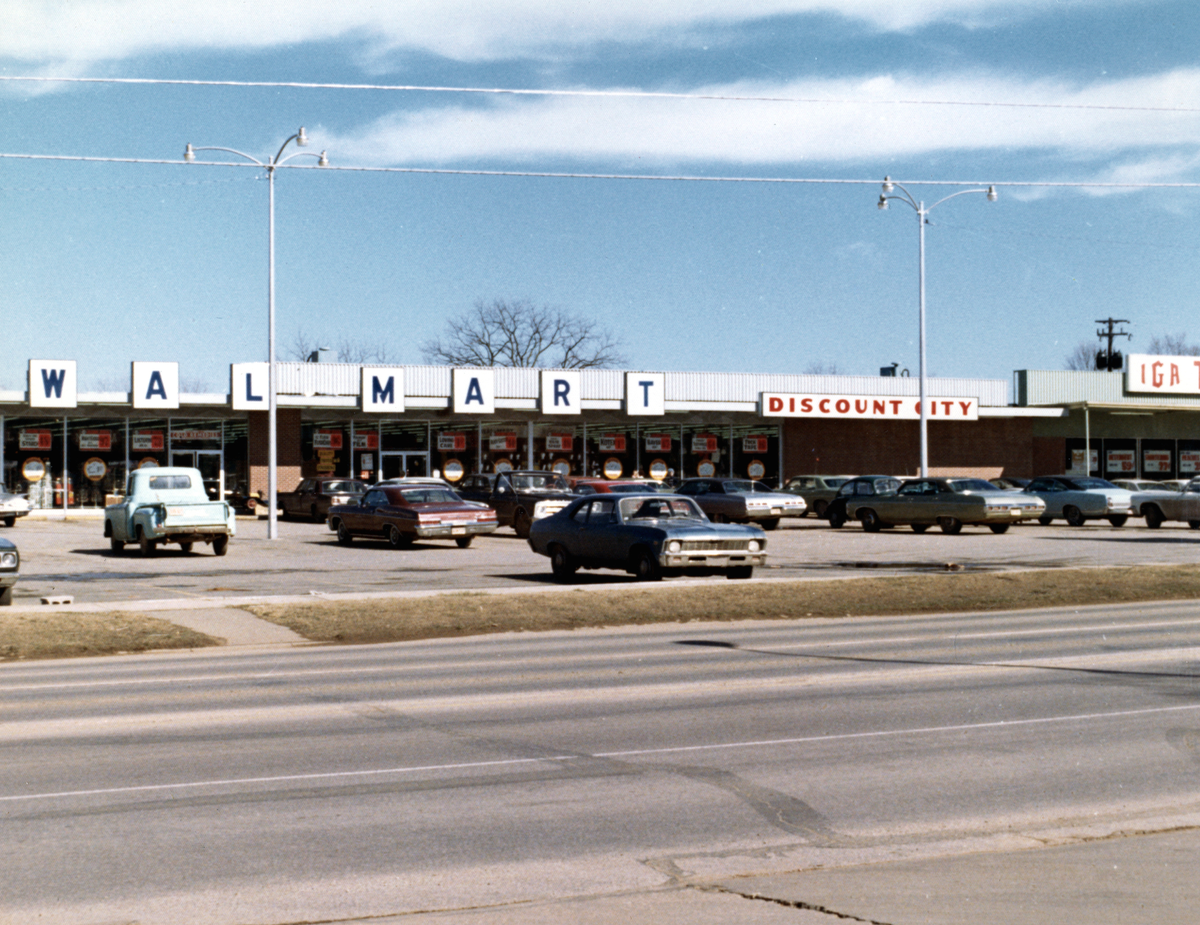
398 619
71 635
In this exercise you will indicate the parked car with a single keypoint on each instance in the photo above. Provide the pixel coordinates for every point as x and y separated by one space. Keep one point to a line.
12 506
868 485
402 514
1008 483
168 504
816 490
314 496
1174 484
1160 506
10 568
738 501
518 496
1079 499
647 535
949 503
582 486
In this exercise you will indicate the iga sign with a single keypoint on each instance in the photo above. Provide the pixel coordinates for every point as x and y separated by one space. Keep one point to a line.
1164 374
865 407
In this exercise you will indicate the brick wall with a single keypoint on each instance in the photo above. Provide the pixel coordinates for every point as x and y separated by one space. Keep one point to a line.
1049 455
287 448
985 448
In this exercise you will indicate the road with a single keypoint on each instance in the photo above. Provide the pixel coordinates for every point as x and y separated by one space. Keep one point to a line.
73 559
514 773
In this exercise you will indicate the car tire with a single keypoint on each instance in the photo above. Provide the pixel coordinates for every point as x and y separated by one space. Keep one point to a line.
396 538
869 520
1154 517
820 507
919 528
769 524
999 528
646 567
345 537
220 545
561 563
116 545
145 544
462 542
522 523
837 521
1118 520
1045 521
185 547
6 596
1194 524
284 513
740 572
1074 516
951 526
10 521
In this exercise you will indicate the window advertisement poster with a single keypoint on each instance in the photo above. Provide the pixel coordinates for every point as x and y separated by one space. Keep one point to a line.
501 443
1077 464
658 443
35 440
327 440
369 441
1123 461
148 440
559 443
99 440
1189 461
754 445
704 443
612 443
1156 461
451 442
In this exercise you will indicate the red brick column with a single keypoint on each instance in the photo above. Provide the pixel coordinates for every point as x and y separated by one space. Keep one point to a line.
287 448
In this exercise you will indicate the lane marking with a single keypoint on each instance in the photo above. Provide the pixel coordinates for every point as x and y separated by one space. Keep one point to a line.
624 753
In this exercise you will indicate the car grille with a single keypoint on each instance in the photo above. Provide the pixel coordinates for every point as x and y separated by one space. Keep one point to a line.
713 545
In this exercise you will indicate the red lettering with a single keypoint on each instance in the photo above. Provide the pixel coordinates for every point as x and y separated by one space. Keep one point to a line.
946 406
792 403
824 406
775 404
806 405
842 406
1196 363
1156 378
896 406
966 407
863 409
1174 374
1143 369
880 407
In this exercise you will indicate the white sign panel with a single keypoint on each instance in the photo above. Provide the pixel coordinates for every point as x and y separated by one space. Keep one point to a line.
53 384
1121 461
250 385
645 394
1189 462
1156 461
155 385
382 388
474 391
866 407
560 391
1176 375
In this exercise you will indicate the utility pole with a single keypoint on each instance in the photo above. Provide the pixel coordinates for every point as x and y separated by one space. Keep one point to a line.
1107 358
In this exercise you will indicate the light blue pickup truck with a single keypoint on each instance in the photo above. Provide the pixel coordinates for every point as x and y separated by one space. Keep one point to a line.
168 505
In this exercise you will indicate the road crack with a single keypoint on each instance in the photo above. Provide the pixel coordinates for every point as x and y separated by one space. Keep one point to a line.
787 903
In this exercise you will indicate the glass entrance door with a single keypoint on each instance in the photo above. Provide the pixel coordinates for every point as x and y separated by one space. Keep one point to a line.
403 465
211 466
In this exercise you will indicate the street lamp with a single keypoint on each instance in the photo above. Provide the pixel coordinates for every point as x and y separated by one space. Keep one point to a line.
919 207
301 139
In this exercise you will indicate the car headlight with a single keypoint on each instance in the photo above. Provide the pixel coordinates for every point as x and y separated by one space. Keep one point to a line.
8 560
674 546
754 546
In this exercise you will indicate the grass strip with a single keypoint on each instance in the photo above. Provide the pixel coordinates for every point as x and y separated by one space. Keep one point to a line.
72 635
468 614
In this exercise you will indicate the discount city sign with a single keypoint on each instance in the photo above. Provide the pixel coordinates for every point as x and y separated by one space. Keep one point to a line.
865 407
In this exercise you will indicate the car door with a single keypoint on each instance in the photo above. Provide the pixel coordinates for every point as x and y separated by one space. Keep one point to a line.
361 518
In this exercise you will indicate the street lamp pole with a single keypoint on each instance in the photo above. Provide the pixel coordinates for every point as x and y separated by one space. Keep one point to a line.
301 139
919 207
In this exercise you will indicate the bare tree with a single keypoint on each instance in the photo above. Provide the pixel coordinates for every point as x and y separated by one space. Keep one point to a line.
1172 345
303 346
822 368
502 333
1083 357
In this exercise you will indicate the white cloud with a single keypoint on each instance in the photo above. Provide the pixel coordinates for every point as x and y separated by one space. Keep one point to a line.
858 126
59 32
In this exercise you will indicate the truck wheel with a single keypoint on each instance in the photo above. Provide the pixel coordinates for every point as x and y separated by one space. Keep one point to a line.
740 572
522 523
116 545
999 528
1154 517
220 545
646 567
463 541
951 526
1074 516
10 521
145 544
869 520
6 597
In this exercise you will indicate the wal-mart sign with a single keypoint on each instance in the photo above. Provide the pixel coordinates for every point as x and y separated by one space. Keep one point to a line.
865 407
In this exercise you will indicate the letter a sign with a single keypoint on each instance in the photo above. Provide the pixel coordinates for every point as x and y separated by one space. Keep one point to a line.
155 385
52 384
474 391
382 388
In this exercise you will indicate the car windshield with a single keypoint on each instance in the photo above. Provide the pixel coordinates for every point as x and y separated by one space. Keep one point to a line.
429 496
170 482
640 488
835 483
738 486
345 486
971 485
1086 483
539 481
659 509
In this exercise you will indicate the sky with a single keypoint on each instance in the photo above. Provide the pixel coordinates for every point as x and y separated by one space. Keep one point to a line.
106 262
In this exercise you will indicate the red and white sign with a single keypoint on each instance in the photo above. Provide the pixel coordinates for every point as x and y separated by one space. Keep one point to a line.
366 441
449 442
95 440
704 443
612 443
1156 460
1163 374
327 440
35 440
658 443
754 445
182 435
866 407
1122 461
1077 463
559 443
1189 461
499 443
148 440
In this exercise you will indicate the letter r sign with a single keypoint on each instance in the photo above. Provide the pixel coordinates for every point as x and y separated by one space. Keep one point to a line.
645 394
561 391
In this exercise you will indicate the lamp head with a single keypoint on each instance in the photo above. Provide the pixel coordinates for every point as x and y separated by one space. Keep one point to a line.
882 202
188 154
323 161
887 186
301 137
992 195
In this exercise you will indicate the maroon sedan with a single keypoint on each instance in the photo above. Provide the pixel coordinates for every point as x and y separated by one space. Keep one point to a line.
402 514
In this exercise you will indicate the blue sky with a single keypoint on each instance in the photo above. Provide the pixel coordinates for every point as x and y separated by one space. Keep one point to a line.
107 263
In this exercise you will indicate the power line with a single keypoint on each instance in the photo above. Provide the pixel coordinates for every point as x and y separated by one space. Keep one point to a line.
636 94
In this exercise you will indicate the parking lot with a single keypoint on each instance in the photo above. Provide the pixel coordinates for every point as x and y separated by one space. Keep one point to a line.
72 558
